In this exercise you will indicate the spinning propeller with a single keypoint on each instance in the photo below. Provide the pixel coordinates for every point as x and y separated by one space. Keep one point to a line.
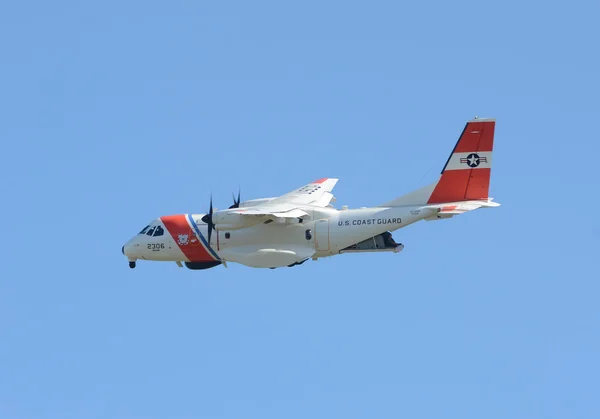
208 219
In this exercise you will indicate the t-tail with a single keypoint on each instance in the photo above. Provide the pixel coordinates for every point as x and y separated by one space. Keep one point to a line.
465 178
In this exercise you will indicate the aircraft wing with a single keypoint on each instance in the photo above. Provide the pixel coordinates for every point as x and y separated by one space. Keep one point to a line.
277 210
317 193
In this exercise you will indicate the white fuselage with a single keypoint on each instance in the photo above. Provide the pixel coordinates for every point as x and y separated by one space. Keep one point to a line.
324 232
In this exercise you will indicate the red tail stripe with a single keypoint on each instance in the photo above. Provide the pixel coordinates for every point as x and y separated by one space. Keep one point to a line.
477 136
461 185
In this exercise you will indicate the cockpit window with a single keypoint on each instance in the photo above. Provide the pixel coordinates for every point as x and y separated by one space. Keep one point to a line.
145 229
149 233
159 231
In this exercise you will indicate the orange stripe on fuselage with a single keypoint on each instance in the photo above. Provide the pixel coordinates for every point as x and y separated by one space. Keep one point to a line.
186 239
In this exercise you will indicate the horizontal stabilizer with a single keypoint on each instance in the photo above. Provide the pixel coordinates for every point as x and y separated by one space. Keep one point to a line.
450 209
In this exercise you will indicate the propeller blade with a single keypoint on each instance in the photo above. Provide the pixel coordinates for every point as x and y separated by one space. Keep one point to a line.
236 202
210 220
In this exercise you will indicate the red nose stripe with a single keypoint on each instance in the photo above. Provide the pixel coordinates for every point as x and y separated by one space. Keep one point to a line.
186 239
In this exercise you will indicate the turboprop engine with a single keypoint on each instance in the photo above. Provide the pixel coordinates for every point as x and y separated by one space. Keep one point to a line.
228 219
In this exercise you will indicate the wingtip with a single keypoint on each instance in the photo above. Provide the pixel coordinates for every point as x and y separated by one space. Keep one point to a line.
323 180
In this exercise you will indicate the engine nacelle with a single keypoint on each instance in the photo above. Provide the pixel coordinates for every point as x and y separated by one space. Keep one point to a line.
226 220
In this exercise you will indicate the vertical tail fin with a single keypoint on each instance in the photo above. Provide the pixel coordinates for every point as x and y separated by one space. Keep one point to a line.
466 175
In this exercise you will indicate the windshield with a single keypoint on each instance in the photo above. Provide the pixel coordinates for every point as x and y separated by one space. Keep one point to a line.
153 229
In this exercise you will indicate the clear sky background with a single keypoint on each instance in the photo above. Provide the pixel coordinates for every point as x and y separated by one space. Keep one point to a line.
114 113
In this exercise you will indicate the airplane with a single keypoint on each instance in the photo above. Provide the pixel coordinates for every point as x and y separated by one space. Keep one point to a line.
288 230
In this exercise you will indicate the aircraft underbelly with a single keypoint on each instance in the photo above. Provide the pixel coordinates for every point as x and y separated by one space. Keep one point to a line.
267 256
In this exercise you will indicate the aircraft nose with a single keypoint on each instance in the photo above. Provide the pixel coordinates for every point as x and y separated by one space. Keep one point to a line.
129 249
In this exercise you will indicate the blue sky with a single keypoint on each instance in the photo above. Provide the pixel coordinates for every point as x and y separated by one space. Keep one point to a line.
115 113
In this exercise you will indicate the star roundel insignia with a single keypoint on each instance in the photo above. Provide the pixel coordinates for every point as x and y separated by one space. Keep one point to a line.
473 160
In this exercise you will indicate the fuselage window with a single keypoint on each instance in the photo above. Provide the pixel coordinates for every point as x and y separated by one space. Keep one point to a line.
159 231
227 235
150 232
144 230
308 234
